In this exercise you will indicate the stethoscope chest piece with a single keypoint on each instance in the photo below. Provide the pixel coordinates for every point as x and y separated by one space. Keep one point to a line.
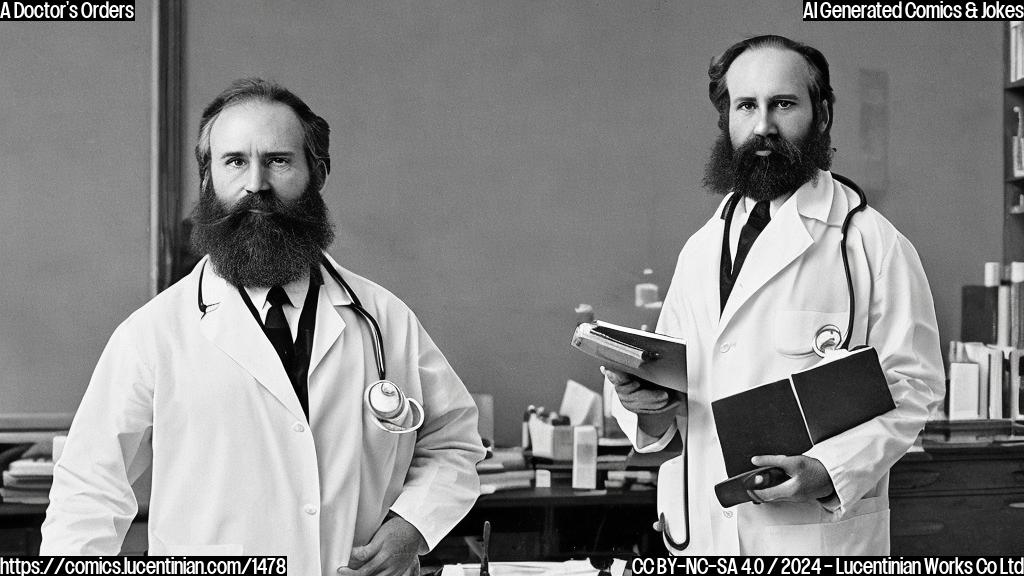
827 338
391 409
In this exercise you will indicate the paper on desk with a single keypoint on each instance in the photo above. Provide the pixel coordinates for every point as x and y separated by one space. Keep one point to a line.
581 404
570 568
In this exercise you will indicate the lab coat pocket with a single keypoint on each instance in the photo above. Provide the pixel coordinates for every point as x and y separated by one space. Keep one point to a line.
864 531
794 331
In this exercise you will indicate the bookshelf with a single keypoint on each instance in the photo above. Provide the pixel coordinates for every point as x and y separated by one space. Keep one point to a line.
1013 168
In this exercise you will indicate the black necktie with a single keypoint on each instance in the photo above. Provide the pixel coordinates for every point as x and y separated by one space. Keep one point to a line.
759 218
277 327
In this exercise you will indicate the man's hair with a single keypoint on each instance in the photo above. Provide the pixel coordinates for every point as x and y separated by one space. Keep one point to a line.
820 87
315 130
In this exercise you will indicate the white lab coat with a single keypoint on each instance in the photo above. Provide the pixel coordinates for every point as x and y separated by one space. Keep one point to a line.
791 284
237 469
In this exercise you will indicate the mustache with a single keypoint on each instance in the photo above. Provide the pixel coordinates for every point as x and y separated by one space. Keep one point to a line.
257 205
777 145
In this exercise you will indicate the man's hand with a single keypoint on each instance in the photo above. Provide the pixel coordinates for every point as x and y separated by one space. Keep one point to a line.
393 551
654 406
809 480
637 396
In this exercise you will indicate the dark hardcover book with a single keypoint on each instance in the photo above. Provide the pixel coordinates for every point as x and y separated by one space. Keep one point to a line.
762 420
979 314
841 394
789 416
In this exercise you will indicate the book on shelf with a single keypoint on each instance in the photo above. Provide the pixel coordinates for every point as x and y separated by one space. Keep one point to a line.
788 416
1004 382
1017 304
1017 149
999 381
1016 50
650 356
979 307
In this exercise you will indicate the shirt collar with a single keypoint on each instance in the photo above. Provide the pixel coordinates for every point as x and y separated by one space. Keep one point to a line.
814 199
296 291
748 204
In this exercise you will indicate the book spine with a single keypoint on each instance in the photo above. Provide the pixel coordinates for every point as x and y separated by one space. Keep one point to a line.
1015 383
1017 305
993 280
963 391
1014 49
1018 52
978 354
979 314
1003 313
995 388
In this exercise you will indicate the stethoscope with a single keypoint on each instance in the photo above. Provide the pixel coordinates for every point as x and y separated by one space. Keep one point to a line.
390 407
827 338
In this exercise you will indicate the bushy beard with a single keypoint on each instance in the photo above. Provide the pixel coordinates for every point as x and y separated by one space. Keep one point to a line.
788 167
262 241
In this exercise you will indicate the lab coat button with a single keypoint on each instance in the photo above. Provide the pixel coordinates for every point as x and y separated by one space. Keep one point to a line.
727 513
299 427
724 348
311 510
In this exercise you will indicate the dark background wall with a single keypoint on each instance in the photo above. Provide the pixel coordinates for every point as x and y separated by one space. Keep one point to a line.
494 162
74 200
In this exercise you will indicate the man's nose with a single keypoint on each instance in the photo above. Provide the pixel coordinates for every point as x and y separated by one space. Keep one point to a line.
256 178
765 124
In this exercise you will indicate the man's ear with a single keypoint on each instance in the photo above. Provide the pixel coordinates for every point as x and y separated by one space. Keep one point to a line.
322 172
823 116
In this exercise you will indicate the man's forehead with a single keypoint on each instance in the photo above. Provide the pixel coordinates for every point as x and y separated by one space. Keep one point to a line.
256 122
767 72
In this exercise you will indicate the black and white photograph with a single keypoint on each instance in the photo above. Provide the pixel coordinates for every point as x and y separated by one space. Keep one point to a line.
511 287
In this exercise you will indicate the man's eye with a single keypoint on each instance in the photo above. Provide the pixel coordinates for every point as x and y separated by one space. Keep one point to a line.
235 162
277 161
785 104
745 106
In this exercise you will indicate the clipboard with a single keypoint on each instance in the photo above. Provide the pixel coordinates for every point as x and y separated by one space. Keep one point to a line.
650 356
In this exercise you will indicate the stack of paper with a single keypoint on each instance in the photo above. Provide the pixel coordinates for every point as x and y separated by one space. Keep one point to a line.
27 482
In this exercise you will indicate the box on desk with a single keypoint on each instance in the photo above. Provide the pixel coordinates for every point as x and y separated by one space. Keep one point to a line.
550 441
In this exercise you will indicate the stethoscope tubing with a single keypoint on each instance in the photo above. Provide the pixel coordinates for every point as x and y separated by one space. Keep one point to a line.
356 305
371 322
411 404
843 249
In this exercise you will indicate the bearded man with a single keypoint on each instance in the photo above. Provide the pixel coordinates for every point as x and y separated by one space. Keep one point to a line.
753 291
242 385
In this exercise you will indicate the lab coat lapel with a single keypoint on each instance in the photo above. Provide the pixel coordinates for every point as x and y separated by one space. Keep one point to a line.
779 244
711 269
329 323
232 328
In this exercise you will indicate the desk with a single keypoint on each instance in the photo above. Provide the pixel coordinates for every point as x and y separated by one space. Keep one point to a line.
19 531
559 523
19 528
952 499
958 500
964 500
